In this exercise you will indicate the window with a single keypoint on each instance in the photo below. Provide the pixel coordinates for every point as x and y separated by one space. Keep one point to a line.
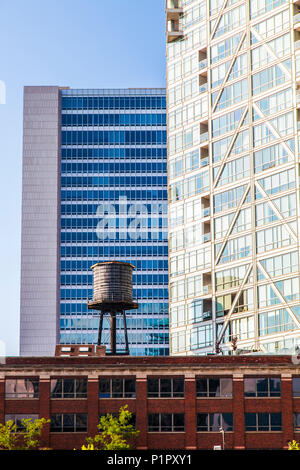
268 78
17 419
117 388
262 387
201 337
165 387
214 387
263 422
162 422
22 388
274 322
296 421
214 421
69 388
69 422
296 386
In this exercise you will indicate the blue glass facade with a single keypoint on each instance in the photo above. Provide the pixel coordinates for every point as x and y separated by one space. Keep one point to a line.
114 207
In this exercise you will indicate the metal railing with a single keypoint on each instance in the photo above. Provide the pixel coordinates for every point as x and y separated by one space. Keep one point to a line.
206 289
204 161
174 4
173 27
206 237
203 137
296 18
203 64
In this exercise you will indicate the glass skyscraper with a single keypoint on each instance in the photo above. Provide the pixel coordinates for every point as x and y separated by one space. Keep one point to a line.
232 102
109 189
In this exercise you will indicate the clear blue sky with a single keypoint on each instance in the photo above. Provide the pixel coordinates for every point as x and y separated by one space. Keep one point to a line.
76 43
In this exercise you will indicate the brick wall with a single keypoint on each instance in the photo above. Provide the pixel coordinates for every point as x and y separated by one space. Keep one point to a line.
141 368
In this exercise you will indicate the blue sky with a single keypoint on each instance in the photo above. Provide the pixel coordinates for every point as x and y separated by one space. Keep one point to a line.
76 43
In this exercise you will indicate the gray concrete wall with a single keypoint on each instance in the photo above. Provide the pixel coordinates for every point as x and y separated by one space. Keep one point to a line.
39 315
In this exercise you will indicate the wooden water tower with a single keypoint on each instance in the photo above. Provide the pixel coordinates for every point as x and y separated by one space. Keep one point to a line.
112 295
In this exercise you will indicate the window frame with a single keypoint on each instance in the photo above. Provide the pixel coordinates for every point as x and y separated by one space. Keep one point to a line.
112 394
161 394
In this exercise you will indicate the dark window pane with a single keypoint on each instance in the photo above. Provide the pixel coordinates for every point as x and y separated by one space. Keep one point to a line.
81 388
275 387
178 387
153 422
81 422
275 421
179 422
153 387
297 421
201 387
263 421
104 388
262 387
227 421
165 387
56 388
56 423
202 422
130 388
117 388
214 422
166 422
68 423
296 386
68 387
214 387
250 421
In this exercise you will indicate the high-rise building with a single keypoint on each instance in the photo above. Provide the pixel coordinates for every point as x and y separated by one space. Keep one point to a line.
233 69
94 189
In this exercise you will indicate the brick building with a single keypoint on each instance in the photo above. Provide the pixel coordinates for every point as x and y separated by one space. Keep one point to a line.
177 402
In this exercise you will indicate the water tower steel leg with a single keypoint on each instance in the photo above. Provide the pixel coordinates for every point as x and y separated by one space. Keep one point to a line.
113 335
100 328
125 333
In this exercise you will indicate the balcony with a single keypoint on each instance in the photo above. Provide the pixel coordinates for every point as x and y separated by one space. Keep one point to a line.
206 289
298 100
206 315
206 212
203 88
296 21
202 64
173 31
297 45
203 137
206 238
204 161
173 9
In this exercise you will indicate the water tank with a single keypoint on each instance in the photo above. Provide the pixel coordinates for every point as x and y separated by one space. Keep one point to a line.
112 282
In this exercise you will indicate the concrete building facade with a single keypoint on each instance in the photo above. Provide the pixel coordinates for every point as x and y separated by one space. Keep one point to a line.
94 189
233 175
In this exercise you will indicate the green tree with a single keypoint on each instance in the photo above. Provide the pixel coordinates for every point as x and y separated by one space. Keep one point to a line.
114 432
26 438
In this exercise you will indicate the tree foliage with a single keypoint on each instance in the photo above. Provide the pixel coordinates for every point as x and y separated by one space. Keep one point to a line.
294 445
114 432
26 438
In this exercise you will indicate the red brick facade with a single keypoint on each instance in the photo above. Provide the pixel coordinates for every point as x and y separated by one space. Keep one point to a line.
142 368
